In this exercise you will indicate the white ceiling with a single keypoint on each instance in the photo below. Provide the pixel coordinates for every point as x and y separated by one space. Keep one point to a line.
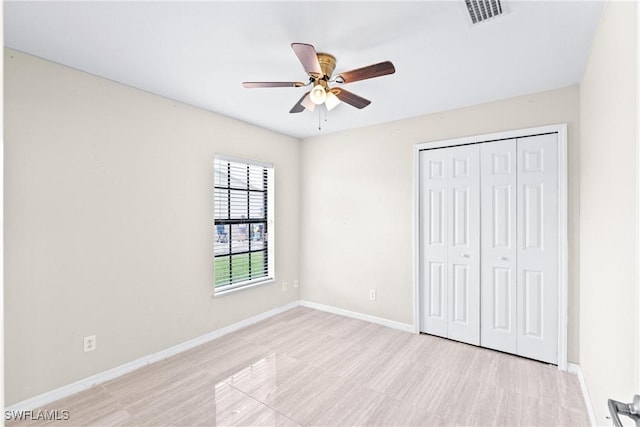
200 52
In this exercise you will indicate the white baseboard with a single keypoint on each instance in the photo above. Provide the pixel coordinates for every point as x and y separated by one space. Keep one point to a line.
355 315
574 368
86 383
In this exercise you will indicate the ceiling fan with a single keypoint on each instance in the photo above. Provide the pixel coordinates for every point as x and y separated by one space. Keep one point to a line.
319 67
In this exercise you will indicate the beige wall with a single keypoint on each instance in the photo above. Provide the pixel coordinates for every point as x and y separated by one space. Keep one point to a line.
357 202
608 217
109 209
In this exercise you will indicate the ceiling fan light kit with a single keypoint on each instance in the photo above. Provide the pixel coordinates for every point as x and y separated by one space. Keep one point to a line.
332 101
319 68
318 94
306 103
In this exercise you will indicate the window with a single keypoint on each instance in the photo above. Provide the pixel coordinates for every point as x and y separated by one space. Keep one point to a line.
243 211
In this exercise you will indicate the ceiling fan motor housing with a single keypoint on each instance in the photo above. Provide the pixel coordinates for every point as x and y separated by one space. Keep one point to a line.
327 64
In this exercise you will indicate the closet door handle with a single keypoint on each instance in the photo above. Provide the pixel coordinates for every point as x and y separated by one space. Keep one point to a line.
464 255
504 258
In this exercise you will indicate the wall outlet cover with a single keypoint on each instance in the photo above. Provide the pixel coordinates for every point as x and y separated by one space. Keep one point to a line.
89 343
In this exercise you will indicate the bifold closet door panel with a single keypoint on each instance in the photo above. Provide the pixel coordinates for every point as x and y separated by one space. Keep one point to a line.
463 208
537 218
450 243
498 245
433 242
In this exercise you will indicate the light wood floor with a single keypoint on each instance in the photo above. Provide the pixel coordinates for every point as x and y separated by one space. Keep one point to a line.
306 367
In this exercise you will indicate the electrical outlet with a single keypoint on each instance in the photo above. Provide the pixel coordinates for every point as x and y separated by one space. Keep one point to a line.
372 294
89 343
295 283
284 286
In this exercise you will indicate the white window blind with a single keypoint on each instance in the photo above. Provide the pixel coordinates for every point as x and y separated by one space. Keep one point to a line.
242 203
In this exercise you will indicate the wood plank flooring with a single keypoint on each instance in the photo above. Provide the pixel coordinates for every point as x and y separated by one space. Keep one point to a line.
309 368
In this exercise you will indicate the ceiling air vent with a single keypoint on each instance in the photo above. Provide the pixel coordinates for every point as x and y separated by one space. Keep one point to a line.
483 10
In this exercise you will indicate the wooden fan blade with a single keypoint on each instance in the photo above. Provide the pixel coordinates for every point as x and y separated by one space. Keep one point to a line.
307 55
298 108
368 72
272 84
350 98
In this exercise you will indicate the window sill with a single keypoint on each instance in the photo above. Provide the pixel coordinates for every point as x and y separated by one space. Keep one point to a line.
241 287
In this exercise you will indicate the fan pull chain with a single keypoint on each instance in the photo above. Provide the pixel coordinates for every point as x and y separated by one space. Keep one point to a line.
326 116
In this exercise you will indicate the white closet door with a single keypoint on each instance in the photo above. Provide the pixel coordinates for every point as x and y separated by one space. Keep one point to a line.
537 218
463 213
499 249
433 240
450 243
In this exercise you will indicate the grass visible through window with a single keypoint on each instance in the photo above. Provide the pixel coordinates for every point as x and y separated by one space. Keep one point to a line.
240 268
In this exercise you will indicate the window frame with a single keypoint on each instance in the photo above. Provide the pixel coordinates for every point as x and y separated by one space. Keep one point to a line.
268 221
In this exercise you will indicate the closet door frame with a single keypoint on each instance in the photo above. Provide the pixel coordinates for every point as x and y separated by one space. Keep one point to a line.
563 241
